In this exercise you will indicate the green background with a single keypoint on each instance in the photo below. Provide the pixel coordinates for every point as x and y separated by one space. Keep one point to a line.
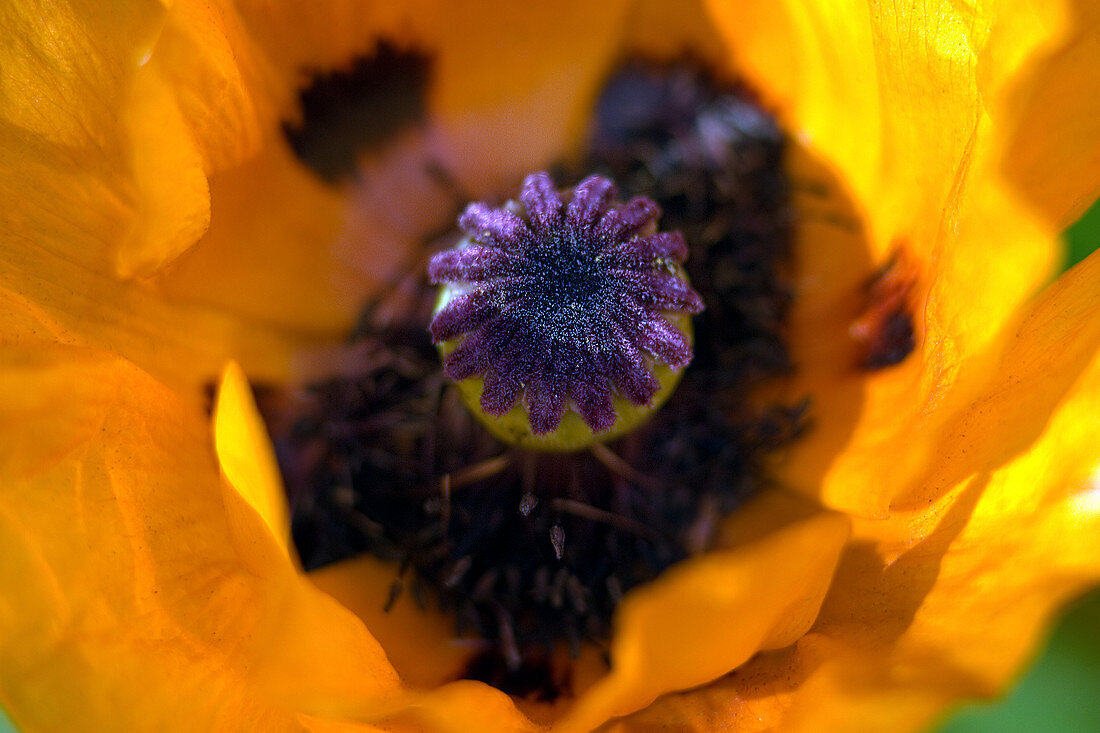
1061 692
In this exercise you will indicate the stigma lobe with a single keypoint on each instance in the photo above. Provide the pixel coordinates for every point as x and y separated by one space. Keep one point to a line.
564 300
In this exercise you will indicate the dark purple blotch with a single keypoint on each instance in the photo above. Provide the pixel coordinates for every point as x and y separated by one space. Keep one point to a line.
564 302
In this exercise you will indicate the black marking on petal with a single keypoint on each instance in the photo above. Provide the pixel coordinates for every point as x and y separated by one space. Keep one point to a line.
352 111
895 340
885 329
577 293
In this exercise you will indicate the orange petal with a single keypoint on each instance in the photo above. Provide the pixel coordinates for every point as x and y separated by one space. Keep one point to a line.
873 432
65 169
1053 143
52 298
125 603
904 105
420 644
500 70
457 707
901 100
173 201
709 614
189 111
204 56
947 600
657 29
104 120
270 254
102 175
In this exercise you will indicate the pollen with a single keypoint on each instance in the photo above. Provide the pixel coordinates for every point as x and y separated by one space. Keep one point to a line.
570 304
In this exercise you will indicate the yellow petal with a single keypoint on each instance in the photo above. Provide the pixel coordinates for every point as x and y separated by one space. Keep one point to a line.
903 104
948 600
1053 143
124 603
709 614
246 456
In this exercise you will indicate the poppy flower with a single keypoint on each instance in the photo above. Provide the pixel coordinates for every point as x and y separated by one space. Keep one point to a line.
157 224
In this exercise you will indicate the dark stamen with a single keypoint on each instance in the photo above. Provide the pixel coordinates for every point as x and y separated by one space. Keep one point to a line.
532 552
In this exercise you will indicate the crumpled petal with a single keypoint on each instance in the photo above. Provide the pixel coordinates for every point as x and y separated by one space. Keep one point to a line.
908 105
197 103
170 602
92 116
709 614
127 601
172 204
1053 143
102 171
948 599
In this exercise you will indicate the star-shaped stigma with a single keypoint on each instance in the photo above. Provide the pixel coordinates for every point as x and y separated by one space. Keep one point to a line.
564 304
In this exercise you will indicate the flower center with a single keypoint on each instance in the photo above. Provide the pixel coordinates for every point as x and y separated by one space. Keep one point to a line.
566 304
553 307
568 291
